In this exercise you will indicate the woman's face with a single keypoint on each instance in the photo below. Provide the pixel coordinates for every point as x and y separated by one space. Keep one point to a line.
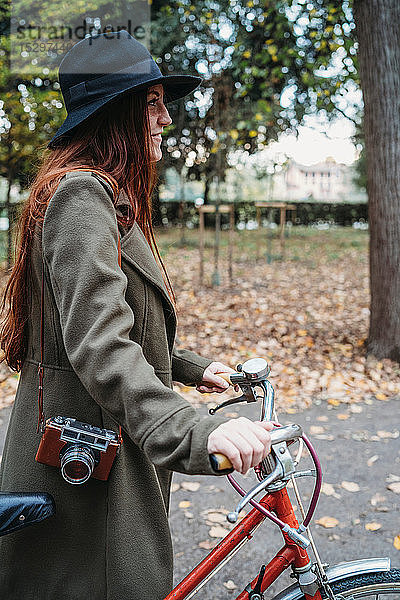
158 118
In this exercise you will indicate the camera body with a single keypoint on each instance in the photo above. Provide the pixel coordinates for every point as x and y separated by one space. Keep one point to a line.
79 449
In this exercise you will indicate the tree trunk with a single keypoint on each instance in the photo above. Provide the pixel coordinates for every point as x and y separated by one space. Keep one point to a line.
378 33
206 188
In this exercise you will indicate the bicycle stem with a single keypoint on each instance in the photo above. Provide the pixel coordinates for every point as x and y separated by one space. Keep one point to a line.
267 410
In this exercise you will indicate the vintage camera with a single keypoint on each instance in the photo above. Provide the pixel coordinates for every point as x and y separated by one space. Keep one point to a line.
79 449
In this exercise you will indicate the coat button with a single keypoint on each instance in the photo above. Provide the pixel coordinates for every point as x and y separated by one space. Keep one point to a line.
22 517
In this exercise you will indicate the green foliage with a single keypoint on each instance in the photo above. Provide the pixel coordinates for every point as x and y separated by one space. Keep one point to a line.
30 113
265 66
30 116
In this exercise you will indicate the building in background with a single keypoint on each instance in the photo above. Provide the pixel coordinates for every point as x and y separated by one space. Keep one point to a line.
326 181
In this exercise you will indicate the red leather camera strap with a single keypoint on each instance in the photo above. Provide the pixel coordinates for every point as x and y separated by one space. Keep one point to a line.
41 419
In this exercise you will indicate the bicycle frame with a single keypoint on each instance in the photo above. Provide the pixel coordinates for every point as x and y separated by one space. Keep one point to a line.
289 555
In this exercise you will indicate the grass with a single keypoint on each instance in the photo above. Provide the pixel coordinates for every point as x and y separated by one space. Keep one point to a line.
303 244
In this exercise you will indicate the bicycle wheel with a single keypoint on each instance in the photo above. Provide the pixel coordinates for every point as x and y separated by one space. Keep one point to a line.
375 585
369 586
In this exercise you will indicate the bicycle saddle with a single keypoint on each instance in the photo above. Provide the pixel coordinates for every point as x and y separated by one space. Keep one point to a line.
18 510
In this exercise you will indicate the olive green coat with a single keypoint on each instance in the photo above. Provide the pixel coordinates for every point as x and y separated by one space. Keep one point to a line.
109 359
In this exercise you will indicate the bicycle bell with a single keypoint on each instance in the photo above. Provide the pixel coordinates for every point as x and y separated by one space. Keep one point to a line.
254 369
250 373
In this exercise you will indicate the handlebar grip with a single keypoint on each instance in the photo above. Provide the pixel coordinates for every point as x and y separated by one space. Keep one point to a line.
226 376
286 433
220 463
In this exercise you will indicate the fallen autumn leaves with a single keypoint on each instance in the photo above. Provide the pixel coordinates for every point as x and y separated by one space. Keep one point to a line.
309 318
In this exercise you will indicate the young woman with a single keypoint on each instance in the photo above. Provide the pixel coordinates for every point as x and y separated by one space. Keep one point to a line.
106 353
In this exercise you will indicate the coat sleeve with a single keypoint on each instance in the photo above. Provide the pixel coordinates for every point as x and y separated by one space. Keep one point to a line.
187 366
80 250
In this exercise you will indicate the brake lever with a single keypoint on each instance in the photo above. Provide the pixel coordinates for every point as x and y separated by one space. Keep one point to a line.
237 400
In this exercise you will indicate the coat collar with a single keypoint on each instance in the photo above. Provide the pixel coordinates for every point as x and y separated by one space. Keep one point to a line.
136 250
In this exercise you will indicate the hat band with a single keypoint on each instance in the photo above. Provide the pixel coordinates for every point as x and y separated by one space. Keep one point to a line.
113 83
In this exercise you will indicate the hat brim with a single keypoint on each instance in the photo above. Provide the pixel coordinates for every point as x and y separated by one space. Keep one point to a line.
175 87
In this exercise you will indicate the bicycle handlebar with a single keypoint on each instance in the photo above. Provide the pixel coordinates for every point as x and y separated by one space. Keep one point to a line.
220 462
279 465
226 376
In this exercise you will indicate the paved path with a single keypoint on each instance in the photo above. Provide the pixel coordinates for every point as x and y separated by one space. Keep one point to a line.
345 446
361 449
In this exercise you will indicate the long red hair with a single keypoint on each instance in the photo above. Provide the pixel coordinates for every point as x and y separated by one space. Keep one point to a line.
115 141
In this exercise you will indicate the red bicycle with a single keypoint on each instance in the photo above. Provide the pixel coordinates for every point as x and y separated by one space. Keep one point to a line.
370 578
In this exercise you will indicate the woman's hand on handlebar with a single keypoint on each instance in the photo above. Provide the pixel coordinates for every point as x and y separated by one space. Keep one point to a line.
245 443
212 382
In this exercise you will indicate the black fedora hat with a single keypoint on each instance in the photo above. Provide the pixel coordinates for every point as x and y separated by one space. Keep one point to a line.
101 67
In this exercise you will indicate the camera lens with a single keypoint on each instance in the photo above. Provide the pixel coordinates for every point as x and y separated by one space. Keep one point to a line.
77 464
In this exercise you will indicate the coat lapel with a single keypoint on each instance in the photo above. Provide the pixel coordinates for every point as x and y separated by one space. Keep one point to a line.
136 250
